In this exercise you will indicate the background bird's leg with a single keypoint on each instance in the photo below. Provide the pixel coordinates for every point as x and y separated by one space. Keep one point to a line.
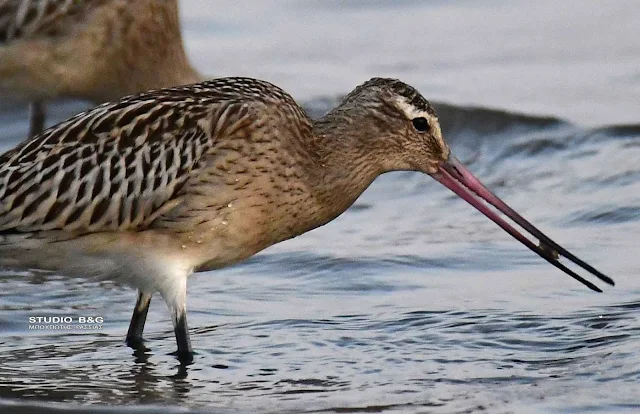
139 317
36 118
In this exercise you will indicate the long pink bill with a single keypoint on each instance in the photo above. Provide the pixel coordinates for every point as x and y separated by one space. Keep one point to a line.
457 178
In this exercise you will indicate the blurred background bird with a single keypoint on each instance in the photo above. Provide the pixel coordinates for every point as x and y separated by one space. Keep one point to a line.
94 50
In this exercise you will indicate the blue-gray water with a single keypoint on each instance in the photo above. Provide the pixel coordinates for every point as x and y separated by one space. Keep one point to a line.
411 301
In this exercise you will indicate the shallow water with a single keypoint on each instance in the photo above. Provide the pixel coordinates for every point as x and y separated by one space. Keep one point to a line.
411 301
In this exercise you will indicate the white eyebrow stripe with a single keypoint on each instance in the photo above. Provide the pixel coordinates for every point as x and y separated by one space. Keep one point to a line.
412 112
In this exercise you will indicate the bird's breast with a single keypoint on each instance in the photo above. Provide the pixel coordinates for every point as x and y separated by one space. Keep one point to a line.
239 206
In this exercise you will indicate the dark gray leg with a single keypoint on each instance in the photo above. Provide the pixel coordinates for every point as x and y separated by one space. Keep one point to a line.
36 118
181 329
139 317
175 295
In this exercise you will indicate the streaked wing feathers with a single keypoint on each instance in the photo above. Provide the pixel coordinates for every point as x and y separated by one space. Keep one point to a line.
115 167
26 18
122 164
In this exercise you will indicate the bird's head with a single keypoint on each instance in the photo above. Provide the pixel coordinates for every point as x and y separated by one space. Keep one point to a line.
389 125
394 125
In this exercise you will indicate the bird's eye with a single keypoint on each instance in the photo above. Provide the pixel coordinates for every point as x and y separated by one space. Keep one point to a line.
421 124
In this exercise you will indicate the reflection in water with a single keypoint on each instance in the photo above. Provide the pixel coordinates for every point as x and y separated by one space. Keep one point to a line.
149 387
90 371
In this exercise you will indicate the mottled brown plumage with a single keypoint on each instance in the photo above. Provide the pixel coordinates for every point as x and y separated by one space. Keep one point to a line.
96 50
153 187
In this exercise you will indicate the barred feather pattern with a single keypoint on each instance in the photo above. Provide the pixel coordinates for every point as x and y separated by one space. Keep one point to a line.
25 18
121 165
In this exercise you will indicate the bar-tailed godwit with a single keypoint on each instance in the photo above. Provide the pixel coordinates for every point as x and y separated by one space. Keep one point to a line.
153 187
95 50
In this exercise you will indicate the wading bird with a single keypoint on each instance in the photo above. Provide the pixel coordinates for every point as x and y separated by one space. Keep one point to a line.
95 50
153 187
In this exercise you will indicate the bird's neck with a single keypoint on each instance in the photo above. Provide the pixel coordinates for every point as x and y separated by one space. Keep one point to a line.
161 24
153 56
345 168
